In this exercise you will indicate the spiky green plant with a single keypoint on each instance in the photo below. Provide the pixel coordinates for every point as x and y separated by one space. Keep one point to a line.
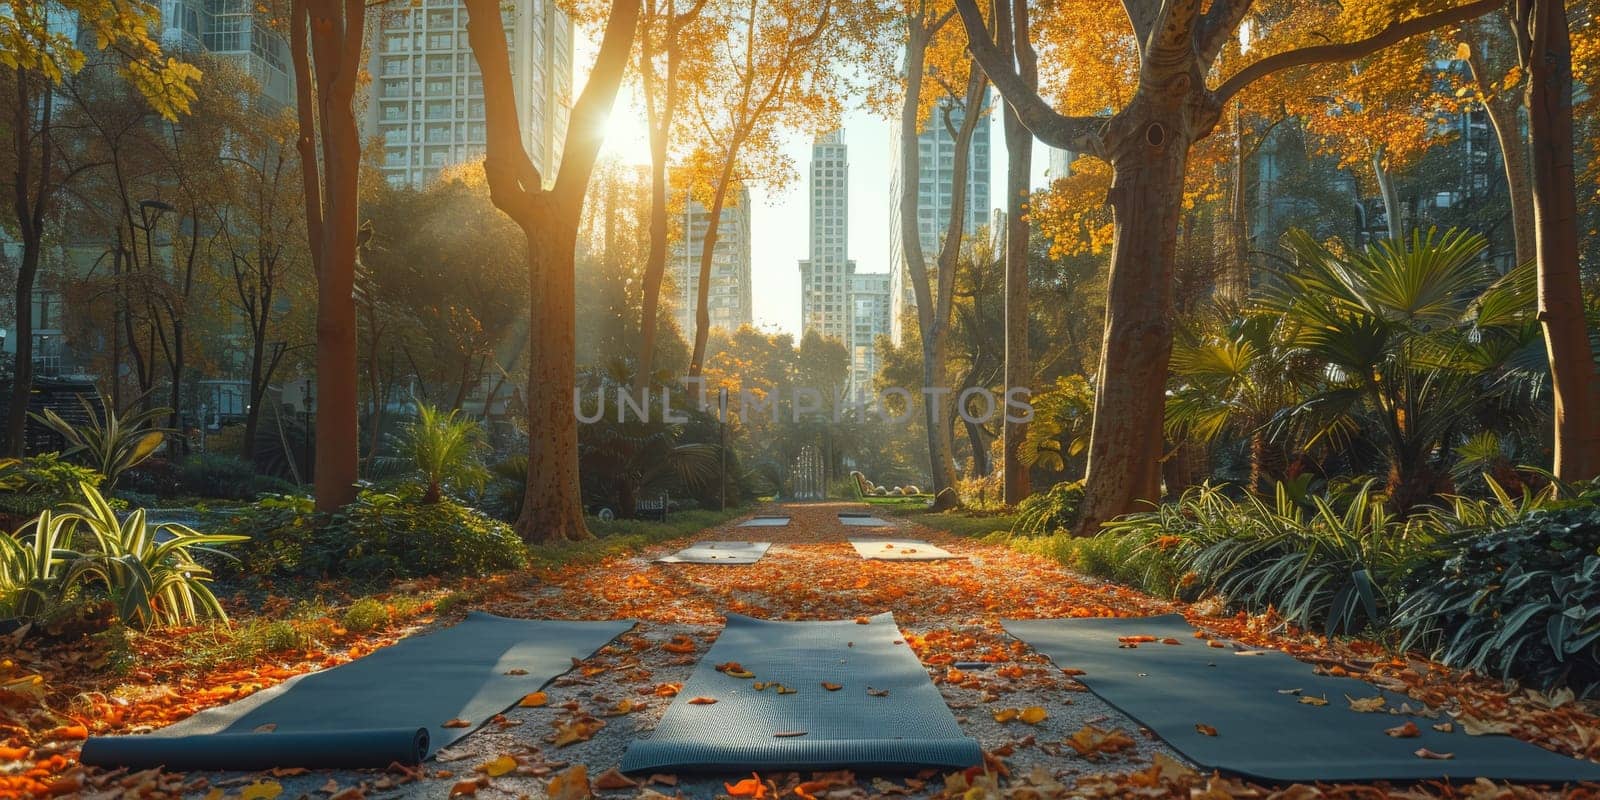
443 448
149 572
112 443
32 563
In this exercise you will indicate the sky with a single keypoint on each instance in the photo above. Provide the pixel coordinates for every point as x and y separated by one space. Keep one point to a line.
779 219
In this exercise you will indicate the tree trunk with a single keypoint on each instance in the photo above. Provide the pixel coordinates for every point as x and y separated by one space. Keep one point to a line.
553 508
1126 443
655 267
22 377
337 419
702 317
1234 283
1391 198
1019 364
1505 120
1561 311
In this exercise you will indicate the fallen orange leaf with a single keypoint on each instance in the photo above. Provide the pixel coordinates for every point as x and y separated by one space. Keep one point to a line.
534 700
457 723
1205 730
702 701
832 687
749 787
1406 731
498 767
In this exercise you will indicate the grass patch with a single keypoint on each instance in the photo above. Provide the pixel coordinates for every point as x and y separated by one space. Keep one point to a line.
365 615
623 535
970 524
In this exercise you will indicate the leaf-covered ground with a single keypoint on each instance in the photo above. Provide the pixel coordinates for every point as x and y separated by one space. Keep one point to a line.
1045 735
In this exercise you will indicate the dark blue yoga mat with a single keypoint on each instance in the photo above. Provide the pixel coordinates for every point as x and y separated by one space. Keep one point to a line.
388 706
902 723
1262 729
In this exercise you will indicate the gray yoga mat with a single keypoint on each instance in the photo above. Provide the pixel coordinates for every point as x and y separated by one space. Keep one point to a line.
765 522
908 726
385 707
863 521
718 553
1263 731
900 550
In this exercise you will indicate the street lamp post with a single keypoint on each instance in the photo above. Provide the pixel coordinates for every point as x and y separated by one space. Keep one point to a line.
305 433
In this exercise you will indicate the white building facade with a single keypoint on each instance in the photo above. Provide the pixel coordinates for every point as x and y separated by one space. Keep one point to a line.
426 100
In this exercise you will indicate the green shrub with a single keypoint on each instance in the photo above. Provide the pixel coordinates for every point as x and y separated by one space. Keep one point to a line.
33 484
380 536
1049 511
1519 600
148 573
1337 569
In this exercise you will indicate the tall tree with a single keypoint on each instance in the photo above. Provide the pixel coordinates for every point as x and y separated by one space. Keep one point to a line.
664 34
549 217
779 68
1545 44
923 23
36 55
1489 47
1147 143
325 44
1016 44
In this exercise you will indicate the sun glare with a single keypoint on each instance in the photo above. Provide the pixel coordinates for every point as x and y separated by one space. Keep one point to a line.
627 134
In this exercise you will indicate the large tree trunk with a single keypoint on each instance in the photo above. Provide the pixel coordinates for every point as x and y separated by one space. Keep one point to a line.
328 34
1555 212
553 507
1233 284
553 502
1126 443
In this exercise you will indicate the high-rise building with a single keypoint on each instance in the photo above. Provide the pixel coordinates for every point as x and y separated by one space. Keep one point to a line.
825 276
869 319
427 93
728 300
835 300
936 150
242 31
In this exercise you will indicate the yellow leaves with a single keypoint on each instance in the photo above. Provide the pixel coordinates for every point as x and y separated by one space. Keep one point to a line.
1366 705
1032 715
261 790
1473 726
577 730
1090 741
1314 701
499 766
624 706
612 780
570 785
534 700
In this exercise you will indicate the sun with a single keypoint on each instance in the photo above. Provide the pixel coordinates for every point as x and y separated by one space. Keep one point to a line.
627 132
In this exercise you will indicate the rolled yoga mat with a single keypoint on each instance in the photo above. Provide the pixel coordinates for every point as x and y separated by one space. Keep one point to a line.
388 706
1262 730
901 723
718 553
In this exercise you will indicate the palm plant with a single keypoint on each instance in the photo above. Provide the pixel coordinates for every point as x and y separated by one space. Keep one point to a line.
1230 377
1411 342
149 572
443 448
109 444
